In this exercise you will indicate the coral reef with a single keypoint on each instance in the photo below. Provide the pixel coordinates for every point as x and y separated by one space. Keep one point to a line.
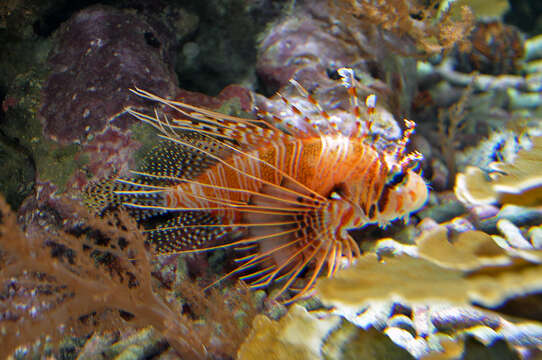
475 274
495 111
394 292
310 45
483 279
298 335
460 280
302 335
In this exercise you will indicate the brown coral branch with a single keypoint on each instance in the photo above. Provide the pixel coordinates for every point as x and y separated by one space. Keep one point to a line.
448 133
53 281
411 19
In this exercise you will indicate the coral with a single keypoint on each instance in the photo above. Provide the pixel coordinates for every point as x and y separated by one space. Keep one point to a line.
96 277
457 281
470 250
429 31
348 341
224 316
517 181
450 123
513 58
410 280
141 344
397 294
445 290
496 49
481 8
311 44
428 298
499 108
305 335
298 335
66 287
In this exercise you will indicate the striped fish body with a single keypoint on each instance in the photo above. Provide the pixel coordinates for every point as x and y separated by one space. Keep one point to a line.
326 164
315 163
279 192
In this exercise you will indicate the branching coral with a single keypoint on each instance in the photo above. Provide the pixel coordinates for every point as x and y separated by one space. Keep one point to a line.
96 277
60 290
412 19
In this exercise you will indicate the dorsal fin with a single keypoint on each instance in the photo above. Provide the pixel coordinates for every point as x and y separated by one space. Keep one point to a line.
311 119
164 165
169 160
244 133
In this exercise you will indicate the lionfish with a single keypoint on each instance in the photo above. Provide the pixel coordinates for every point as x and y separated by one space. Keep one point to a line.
290 195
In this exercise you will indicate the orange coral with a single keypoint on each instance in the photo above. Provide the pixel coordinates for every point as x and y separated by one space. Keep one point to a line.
407 19
98 277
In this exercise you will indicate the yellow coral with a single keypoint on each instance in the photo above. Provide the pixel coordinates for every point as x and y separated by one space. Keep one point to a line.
517 183
470 250
444 297
480 8
297 336
470 268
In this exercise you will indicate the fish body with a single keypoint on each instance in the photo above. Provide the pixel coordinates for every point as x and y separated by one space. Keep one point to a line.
292 195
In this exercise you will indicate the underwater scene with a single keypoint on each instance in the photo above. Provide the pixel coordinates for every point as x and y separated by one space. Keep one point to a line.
270 179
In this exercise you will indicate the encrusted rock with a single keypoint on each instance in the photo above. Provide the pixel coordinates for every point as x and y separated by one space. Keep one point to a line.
100 54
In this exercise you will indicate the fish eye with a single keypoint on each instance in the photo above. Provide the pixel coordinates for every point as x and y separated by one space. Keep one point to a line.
396 177
335 196
338 191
